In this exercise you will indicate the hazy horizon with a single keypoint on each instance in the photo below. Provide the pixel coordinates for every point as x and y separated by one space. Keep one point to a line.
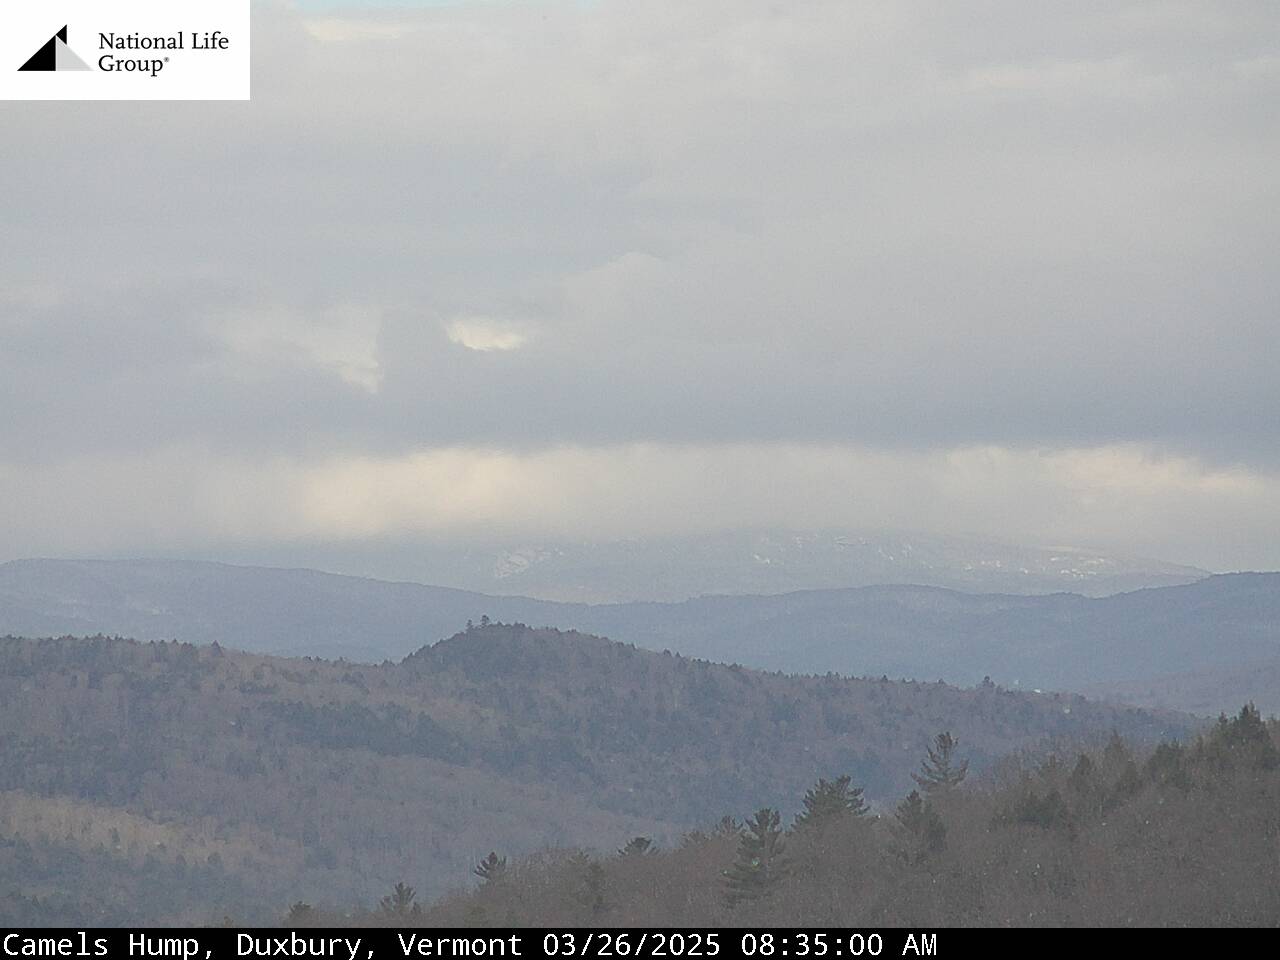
428 561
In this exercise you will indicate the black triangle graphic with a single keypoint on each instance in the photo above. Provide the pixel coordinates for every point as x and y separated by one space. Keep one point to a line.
46 58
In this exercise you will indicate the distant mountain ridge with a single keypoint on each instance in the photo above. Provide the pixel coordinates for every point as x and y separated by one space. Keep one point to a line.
743 563
1166 646
1206 646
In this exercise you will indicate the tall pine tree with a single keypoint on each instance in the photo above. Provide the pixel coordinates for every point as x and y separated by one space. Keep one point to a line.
921 829
399 903
492 868
761 862
939 771
829 801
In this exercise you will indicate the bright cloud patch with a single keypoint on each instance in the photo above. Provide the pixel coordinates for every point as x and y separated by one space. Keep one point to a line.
486 334
342 340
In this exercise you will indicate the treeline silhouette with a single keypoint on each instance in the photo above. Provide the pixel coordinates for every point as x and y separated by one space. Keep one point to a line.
1182 834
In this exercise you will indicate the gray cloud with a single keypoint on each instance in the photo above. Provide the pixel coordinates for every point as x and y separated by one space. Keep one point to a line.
909 228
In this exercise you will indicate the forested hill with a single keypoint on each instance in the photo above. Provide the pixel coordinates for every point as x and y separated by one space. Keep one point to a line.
165 781
1202 647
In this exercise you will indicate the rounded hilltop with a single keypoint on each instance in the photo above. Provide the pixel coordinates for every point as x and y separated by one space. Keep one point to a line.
488 649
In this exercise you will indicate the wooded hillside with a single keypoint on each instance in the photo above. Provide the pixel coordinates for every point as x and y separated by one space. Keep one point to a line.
168 781
1172 836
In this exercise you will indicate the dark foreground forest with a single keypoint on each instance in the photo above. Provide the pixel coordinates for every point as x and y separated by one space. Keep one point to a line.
1178 835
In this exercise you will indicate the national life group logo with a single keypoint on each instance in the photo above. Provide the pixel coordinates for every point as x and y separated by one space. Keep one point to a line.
125 50
54 55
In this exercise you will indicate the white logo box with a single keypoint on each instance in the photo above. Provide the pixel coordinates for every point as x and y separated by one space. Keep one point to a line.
124 50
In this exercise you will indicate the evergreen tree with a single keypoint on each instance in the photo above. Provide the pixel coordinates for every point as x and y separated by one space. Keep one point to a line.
726 826
1128 784
830 800
300 913
1116 753
920 826
1085 786
939 771
1047 811
1082 774
761 862
1245 737
587 884
400 902
1167 766
636 846
492 868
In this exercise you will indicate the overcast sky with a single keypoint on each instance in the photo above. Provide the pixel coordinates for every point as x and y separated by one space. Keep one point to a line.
567 269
